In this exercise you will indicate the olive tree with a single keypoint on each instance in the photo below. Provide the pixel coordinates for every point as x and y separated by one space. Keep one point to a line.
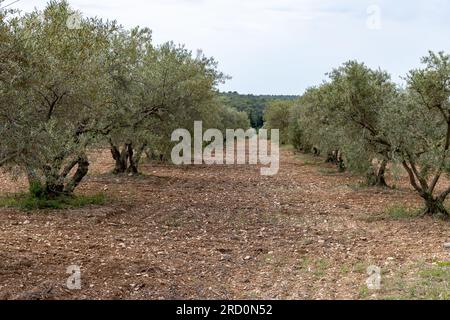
360 95
296 131
132 97
277 116
55 95
418 127
341 118
11 61
317 119
167 88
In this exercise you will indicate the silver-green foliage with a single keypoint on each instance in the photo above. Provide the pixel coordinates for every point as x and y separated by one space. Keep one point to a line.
53 86
364 116
66 86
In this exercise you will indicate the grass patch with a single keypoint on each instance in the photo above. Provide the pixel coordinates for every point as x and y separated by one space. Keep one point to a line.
359 186
288 147
309 163
329 171
443 264
364 292
400 212
26 201
429 282
308 159
358 268
318 267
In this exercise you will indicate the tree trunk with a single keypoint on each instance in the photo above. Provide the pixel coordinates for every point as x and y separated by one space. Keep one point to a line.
315 150
149 154
120 159
82 171
54 183
127 160
331 158
377 177
435 206
381 176
132 169
135 158
53 189
336 158
340 162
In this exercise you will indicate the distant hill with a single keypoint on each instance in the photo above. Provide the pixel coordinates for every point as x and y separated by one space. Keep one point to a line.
253 105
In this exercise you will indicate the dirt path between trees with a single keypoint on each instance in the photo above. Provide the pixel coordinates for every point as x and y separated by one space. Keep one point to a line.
225 232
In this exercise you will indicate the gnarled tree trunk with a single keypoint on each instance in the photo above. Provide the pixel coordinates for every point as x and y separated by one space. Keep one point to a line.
127 160
340 162
316 151
82 171
120 158
331 157
434 206
377 177
55 182
336 158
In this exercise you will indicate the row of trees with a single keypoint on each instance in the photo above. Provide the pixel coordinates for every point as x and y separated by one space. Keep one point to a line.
364 122
64 89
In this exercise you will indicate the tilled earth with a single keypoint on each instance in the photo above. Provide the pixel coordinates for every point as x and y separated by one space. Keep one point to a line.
224 232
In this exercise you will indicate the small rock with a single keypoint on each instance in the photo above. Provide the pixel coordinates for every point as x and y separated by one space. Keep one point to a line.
226 257
447 245
26 222
247 258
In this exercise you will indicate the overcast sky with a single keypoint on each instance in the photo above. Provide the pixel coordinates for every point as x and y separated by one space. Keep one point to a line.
285 46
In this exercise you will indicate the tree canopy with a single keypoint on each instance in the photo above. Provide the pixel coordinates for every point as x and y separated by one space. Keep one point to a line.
66 86
363 121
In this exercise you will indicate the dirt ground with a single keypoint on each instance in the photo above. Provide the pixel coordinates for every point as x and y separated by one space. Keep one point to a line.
224 232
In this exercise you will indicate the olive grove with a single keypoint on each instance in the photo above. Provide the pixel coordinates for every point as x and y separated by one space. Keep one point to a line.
65 88
365 122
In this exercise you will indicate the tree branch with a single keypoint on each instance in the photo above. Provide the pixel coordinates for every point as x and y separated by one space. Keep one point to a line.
412 178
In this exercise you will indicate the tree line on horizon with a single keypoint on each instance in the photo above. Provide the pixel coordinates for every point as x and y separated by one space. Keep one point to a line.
253 105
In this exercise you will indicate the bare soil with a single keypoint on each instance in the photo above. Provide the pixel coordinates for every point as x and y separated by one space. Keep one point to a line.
222 232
